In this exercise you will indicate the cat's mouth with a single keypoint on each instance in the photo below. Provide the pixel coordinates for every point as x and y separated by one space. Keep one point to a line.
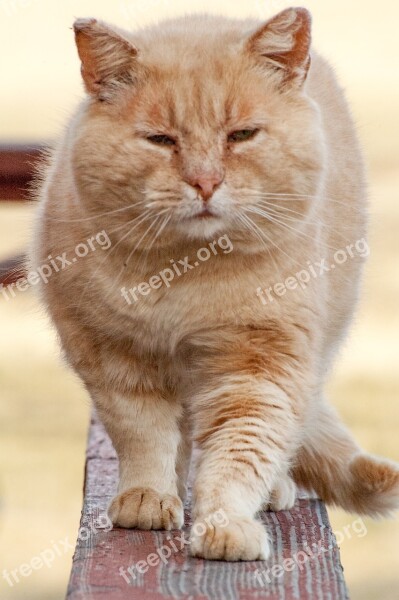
205 213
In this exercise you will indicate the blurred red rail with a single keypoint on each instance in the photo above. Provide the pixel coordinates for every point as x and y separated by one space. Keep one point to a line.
17 168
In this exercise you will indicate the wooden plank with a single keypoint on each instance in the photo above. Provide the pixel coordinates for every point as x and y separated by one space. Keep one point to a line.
17 168
302 534
12 269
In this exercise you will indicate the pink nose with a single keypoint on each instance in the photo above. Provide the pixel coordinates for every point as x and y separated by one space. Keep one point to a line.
206 184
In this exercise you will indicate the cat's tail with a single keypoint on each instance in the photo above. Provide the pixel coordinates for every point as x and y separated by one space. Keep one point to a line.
330 463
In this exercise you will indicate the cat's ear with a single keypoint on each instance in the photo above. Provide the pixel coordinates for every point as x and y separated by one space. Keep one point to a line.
107 57
284 43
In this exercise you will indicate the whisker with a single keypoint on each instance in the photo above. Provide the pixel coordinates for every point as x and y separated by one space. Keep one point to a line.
126 262
160 230
123 225
276 194
279 219
272 242
271 218
243 218
286 197
157 234
249 225
275 210
97 216
144 219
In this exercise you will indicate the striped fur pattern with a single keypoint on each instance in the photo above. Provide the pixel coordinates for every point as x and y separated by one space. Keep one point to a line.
204 360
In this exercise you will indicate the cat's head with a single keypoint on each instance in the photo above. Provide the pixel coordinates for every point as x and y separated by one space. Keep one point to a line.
200 125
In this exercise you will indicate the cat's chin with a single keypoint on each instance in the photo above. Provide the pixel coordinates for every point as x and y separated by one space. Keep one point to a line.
205 229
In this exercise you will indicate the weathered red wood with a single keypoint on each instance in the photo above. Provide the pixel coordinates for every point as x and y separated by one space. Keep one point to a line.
301 532
17 168
12 269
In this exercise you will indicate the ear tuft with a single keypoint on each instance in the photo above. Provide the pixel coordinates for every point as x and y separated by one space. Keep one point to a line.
284 43
82 24
107 57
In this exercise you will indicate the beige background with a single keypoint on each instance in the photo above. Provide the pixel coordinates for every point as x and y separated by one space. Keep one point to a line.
43 410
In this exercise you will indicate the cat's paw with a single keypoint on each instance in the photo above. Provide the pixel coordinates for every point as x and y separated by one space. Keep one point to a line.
144 508
239 539
283 496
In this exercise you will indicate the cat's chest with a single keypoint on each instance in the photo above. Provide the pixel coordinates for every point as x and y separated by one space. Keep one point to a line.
163 313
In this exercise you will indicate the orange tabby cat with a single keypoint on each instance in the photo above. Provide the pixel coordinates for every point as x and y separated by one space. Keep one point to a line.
197 130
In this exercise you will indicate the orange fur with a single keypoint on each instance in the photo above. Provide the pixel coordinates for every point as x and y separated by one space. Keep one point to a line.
204 359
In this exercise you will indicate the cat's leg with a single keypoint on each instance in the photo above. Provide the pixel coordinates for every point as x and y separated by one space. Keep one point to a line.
144 429
136 399
184 452
283 495
247 423
332 464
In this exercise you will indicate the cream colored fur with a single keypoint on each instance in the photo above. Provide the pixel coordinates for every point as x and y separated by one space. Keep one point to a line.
205 359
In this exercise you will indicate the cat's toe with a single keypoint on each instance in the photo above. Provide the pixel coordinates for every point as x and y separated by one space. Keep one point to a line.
283 496
243 539
144 508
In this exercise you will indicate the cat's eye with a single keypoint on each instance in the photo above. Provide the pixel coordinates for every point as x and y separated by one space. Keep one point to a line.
242 135
161 140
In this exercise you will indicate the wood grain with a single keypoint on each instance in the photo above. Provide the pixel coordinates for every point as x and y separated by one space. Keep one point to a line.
303 534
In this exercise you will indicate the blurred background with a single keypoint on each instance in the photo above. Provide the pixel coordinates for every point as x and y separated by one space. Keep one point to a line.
44 411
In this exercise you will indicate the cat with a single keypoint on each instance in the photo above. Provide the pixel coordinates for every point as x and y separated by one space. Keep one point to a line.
192 131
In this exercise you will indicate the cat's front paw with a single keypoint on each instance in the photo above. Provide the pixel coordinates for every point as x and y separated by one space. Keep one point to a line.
283 496
238 539
144 508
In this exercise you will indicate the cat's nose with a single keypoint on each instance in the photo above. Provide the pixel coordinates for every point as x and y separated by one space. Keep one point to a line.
207 183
